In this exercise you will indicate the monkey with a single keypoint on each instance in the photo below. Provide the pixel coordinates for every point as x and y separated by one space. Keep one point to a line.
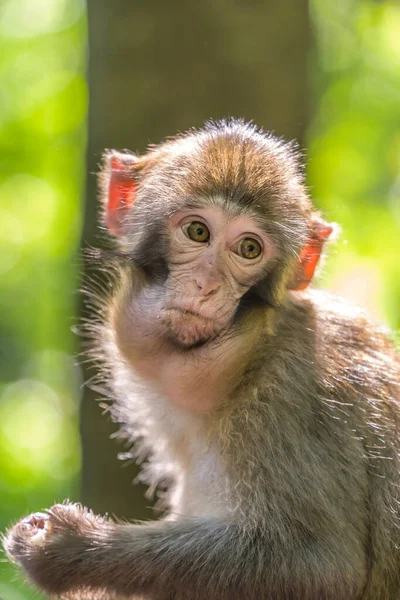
268 409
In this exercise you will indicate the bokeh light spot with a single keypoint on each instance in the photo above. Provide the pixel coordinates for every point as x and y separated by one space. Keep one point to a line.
11 240
28 18
32 201
30 417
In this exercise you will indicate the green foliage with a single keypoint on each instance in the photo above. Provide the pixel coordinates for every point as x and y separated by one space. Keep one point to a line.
354 147
42 138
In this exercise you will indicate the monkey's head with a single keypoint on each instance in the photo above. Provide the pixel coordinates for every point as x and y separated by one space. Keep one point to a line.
212 222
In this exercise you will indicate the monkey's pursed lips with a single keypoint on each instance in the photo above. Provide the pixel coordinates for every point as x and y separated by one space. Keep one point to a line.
185 311
189 328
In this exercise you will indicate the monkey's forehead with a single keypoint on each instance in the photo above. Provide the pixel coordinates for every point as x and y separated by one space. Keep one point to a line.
229 160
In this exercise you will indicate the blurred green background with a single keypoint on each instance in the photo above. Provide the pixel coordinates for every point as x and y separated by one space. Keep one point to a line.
353 153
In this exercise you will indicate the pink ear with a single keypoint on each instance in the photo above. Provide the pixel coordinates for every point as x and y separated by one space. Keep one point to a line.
121 190
310 254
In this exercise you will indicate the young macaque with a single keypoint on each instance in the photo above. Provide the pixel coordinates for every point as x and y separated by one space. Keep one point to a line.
270 409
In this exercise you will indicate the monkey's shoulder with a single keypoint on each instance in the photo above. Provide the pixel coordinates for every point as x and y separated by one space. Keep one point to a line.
346 324
348 342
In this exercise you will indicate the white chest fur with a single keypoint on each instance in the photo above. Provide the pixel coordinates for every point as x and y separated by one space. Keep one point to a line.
178 445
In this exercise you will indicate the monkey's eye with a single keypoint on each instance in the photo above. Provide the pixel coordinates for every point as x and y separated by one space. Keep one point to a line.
198 232
249 248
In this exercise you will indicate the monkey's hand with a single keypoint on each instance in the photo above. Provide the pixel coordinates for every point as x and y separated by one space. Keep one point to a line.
73 554
53 545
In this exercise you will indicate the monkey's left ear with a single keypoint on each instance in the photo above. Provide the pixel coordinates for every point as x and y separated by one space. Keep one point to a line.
121 185
319 232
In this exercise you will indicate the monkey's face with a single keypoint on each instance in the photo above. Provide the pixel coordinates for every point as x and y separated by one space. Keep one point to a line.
209 219
214 258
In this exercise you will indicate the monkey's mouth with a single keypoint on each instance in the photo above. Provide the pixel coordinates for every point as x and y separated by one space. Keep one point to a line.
189 329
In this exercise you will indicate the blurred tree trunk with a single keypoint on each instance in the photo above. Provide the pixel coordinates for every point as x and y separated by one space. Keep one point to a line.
159 67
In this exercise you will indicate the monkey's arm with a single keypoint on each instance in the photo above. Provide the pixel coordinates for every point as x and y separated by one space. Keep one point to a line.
71 553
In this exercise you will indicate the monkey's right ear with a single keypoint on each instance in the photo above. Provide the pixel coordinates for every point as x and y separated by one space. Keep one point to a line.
121 186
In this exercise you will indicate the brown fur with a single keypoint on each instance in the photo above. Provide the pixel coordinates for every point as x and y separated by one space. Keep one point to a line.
289 487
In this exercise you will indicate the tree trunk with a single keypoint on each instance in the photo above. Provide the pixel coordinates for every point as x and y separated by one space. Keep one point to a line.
159 67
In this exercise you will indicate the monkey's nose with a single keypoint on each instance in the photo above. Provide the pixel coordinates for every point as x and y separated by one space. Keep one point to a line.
207 285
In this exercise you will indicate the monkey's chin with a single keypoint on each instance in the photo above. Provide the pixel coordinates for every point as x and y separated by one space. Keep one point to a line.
188 330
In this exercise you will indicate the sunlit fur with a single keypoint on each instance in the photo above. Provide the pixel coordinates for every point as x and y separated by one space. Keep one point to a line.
287 486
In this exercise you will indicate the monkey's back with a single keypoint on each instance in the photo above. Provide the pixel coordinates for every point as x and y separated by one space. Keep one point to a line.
357 373
357 358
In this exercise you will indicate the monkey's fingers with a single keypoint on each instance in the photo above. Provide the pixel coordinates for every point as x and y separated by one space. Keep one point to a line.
27 535
35 531
38 543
